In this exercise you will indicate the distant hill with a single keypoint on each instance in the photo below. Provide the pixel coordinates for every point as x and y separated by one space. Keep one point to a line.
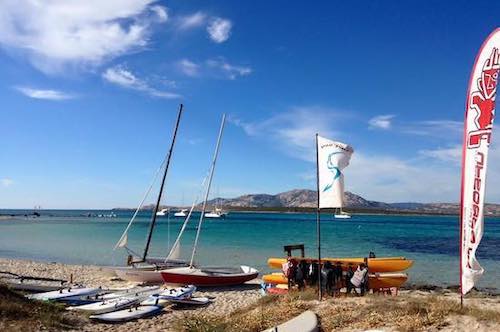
305 198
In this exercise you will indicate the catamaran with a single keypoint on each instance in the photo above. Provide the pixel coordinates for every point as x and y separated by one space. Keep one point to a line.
215 276
141 268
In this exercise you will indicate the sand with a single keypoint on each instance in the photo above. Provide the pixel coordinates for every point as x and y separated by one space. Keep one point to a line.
225 300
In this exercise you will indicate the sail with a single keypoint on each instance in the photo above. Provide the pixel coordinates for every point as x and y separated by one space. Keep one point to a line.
479 114
333 157
123 241
175 252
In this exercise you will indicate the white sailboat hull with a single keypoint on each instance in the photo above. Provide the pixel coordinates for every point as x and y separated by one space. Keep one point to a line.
342 216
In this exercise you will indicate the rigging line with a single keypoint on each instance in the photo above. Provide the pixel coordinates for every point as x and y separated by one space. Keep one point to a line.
141 203
188 217
216 153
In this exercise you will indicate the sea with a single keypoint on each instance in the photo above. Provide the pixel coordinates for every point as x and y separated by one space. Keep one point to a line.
244 238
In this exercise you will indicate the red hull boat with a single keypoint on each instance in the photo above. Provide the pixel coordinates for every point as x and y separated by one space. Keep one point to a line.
215 276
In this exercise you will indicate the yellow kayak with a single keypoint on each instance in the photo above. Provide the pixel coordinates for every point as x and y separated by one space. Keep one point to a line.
375 265
375 280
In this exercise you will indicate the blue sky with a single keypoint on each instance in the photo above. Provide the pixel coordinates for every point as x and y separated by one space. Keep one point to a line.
90 91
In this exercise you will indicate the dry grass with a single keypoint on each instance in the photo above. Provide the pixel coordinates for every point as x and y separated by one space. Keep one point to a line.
20 314
400 313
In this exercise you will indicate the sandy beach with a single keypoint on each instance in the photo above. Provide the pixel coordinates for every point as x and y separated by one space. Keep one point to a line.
229 301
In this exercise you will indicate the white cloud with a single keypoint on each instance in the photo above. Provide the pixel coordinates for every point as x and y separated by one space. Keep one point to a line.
44 94
6 182
381 121
293 131
161 12
228 70
189 68
192 21
452 154
452 130
57 33
219 29
123 77
218 68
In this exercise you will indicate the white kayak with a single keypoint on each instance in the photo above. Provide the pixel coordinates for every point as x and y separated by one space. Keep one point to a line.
130 291
65 293
107 306
191 301
128 314
305 322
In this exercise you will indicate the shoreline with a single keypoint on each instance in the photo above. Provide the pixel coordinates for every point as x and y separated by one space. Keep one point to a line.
227 300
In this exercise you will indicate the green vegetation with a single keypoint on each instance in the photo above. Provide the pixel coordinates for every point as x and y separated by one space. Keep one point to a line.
20 314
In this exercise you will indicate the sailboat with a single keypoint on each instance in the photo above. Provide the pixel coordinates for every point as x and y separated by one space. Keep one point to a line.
339 214
141 268
216 212
181 214
162 213
208 276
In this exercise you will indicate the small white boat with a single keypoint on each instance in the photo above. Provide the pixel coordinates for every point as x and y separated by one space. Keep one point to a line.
128 314
217 213
339 214
162 213
65 293
135 291
181 214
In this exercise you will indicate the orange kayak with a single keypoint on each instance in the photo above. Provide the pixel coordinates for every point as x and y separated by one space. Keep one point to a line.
375 280
375 265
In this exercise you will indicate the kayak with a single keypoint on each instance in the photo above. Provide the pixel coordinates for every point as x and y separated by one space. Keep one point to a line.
305 322
375 265
375 280
128 314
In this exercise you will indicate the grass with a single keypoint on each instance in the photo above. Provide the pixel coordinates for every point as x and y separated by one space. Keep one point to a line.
369 312
20 314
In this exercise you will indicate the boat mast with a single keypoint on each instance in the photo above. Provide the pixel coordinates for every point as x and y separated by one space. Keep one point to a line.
212 169
155 210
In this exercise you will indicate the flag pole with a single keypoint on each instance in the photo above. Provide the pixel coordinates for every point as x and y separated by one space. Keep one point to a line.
318 225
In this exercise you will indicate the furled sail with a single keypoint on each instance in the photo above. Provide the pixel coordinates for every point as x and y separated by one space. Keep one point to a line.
333 157
479 114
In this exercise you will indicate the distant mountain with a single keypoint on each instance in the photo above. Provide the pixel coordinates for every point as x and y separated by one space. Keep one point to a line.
305 198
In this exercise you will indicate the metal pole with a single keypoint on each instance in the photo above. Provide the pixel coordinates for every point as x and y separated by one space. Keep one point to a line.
207 192
155 210
318 224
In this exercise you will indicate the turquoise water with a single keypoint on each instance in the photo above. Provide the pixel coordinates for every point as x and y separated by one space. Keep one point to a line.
250 238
